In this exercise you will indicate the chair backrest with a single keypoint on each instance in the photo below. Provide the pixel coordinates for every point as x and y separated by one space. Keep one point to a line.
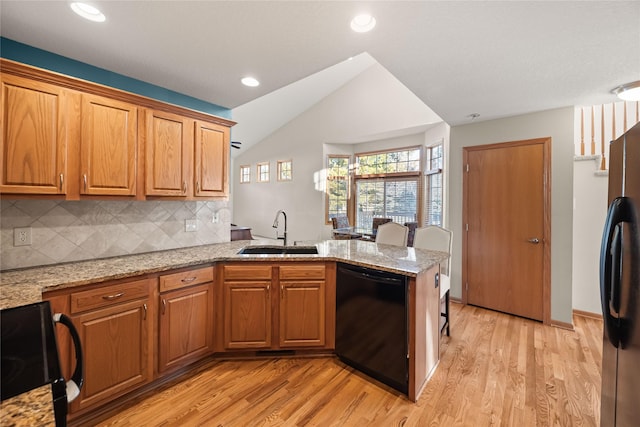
377 222
434 238
340 222
392 233
412 230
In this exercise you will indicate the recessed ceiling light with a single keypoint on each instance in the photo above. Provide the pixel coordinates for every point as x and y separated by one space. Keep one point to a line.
363 23
250 81
629 91
88 12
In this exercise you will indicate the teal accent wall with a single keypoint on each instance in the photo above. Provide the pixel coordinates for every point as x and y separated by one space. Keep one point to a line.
19 52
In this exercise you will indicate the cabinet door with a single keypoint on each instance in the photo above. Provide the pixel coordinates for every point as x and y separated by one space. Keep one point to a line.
34 141
118 351
186 325
302 313
108 147
169 143
247 317
211 160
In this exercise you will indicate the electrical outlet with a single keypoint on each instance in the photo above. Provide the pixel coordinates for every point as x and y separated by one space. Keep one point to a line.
190 225
22 236
216 218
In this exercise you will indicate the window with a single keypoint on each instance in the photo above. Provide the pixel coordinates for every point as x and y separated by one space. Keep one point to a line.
433 178
386 198
284 170
388 185
263 172
245 174
385 163
337 186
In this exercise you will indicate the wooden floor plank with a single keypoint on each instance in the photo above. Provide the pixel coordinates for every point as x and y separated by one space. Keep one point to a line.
495 370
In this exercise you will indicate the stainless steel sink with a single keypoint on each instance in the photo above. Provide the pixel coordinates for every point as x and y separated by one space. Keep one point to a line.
269 249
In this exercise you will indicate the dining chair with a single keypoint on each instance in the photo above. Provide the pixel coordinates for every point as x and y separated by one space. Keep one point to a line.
392 233
377 222
437 238
340 222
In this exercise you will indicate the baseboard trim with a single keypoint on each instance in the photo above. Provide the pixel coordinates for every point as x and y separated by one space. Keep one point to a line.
587 314
562 325
456 300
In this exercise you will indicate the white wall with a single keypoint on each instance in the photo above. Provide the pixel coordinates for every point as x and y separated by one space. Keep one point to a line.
373 103
589 212
557 124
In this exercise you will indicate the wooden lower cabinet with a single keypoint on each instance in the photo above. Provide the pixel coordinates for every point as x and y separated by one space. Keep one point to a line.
247 316
186 326
117 343
302 306
277 306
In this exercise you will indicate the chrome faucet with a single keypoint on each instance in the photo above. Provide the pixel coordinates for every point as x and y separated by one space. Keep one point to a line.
275 225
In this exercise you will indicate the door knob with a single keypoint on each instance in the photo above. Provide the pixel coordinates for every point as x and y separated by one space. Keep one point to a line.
534 240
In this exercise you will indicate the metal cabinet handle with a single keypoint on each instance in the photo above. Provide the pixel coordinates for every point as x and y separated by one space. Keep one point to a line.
112 297
534 240
188 279
437 280
144 307
61 181
85 181
164 305
184 186
197 186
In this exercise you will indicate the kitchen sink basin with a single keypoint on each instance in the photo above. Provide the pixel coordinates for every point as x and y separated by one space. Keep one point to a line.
261 250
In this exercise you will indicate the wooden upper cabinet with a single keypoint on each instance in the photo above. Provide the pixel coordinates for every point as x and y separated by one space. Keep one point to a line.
34 144
169 147
211 160
72 138
108 147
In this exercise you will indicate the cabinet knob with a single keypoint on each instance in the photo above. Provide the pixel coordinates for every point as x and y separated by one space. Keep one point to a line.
184 187
61 181
85 181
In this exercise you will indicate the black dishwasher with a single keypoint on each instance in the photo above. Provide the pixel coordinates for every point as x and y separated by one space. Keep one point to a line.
372 323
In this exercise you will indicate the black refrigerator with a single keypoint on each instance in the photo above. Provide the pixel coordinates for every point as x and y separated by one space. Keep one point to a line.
620 286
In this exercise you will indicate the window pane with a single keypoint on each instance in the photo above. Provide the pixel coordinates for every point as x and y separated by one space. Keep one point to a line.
389 162
386 198
337 187
245 174
434 187
284 170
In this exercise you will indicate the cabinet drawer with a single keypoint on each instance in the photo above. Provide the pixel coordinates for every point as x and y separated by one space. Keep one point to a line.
247 272
109 295
302 272
186 278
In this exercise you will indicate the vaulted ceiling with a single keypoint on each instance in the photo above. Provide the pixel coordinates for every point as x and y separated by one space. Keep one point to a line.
493 58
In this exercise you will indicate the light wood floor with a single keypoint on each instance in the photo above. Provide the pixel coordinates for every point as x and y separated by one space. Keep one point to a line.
495 370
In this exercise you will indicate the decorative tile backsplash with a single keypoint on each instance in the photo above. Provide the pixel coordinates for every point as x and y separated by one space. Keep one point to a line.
63 231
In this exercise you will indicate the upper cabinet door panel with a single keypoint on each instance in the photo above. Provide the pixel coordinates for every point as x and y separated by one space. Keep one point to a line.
211 160
108 147
169 144
33 137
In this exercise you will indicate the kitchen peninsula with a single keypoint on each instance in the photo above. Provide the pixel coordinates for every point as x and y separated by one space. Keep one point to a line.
224 281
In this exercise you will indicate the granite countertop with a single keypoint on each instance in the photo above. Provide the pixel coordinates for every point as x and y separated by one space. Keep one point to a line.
25 286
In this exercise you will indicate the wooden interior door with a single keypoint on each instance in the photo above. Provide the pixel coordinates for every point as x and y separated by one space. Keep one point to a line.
507 216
